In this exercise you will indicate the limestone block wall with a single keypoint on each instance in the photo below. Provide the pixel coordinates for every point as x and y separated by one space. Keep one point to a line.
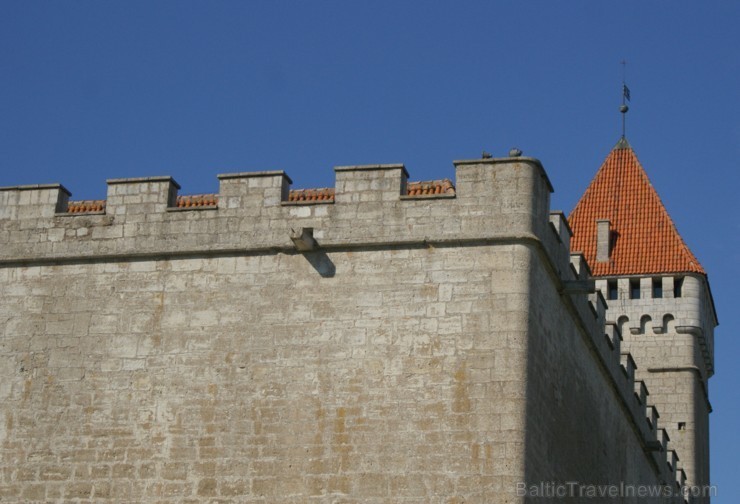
580 384
684 413
371 348
256 379
673 340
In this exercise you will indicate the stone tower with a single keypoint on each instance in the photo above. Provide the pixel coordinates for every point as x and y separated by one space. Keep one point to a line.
658 297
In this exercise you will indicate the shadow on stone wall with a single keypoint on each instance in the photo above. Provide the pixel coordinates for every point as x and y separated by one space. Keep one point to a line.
321 263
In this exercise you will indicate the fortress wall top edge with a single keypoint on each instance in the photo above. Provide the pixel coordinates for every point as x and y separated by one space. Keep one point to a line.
490 199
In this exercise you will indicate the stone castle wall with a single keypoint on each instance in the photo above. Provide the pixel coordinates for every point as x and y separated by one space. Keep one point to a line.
378 347
672 339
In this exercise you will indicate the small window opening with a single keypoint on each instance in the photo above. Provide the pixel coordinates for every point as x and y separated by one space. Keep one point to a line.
677 287
612 289
635 288
657 288
681 425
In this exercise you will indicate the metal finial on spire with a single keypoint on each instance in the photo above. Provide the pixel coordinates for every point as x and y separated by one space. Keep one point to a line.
625 98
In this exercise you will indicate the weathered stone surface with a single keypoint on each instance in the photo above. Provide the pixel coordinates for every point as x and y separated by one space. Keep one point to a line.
423 351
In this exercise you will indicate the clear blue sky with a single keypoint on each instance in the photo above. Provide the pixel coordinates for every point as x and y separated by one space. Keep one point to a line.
93 90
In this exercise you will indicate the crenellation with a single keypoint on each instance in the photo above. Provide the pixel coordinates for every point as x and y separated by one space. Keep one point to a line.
663 438
558 244
252 191
622 370
673 460
668 286
641 392
146 215
579 266
613 336
646 290
601 285
652 418
628 367
560 223
681 477
35 201
370 183
598 306
140 196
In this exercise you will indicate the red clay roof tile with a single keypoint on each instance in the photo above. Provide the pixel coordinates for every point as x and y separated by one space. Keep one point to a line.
197 201
326 194
86 206
322 194
644 238
443 186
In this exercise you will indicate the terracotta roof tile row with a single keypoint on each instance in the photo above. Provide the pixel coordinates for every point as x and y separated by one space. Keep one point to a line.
644 239
326 194
443 186
322 194
197 201
86 206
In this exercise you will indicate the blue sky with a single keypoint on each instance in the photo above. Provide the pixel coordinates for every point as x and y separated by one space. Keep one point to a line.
94 90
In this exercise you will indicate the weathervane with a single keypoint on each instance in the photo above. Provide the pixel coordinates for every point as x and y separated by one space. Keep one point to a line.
625 97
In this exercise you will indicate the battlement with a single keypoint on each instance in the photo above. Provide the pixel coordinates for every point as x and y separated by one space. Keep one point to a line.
666 304
490 199
605 339
430 189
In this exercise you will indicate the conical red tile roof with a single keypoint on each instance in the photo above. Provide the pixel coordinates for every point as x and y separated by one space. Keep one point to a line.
644 238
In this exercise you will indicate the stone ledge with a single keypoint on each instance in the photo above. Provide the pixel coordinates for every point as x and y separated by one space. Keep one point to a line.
266 173
139 180
405 197
78 214
190 208
301 203
31 187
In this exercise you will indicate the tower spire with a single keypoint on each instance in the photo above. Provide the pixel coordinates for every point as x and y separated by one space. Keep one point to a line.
625 98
